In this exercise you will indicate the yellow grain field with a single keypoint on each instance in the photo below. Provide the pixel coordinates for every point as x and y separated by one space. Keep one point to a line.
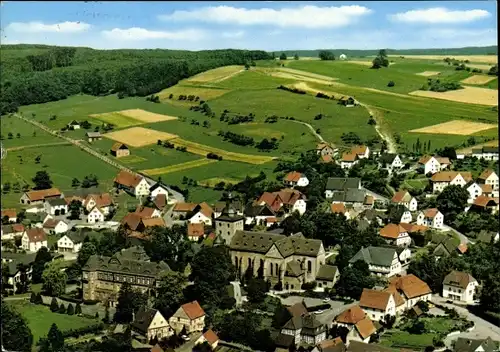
482 67
360 62
428 73
211 182
478 79
201 149
139 136
488 59
178 167
146 116
460 127
469 95
217 74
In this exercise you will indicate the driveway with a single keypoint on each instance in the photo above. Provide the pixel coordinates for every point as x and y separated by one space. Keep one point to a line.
376 195
482 329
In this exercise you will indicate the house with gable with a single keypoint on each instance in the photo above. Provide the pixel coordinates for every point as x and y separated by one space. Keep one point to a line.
486 153
132 183
429 164
390 161
71 242
33 239
235 205
339 208
119 150
202 213
431 218
259 214
147 212
305 328
334 184
481 345
484 203
96 214
9 232
11 214
295 178
55 206
38 197
189 316
382 261
152 324
348 160
73 125
446 247
411 289
324 149
395 234
404 197
55 227
489 177
361 151
460 286
443 179
158 189
195 231
103 201
210 337
183 210
377 304
474 189
360 326
327 276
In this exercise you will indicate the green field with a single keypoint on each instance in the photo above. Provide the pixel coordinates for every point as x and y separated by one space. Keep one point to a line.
29 134
115 118
40 319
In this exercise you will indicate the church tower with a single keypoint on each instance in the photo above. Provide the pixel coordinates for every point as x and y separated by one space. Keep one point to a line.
228 222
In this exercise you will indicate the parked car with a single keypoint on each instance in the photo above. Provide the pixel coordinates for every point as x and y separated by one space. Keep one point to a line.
327 299
319 311
185 337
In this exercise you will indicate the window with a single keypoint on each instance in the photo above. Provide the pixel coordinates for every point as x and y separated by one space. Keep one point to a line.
309 266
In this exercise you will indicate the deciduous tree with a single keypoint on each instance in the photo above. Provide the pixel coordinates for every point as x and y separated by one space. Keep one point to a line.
16 335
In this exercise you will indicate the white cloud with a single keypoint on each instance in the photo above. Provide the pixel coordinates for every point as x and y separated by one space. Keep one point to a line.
439 15
303 17
233 35
38 27
138 34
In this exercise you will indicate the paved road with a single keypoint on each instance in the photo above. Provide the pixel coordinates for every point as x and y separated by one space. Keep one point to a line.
376 195
482 328
463 239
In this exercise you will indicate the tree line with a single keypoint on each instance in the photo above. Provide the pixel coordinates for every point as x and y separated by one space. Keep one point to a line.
133 73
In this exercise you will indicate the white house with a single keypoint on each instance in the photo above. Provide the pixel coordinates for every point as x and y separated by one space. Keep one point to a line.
73 125
151 324
443 179
411 289
390 161
95 215
396 235
9 232
295 178
157 189
55 227
487 153
33 239
357 322
210 337
55 206
147 212
10 213
305 328
489 177
429 164
382 261
335 184
405 198
348 160
361 151
474 191
377 304
460 286
406 217
103 201
203 213
431 218
134 184
70 242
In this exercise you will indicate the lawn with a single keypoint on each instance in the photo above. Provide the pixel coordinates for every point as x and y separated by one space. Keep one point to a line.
403 339
29 134
63 163
40 319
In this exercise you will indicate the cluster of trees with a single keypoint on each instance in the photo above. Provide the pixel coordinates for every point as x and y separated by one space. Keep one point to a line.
350 138
234 120
293 90
380 60
153 98
235 138
493 71
126 72
324 96
326 55
214 156
190 97
61 309
268 144
271 119
421 147
436 85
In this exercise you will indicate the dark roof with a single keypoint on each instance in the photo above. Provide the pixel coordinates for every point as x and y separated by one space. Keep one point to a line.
342 183
387 158
285 341
261 242
485 236
327 272
458 279
93 134
134 253
158 185
297 310
143 319
293 269
219 206
351 195
119 264
76 236
380 256
311 326
447 246
469 345
370 214
488 149
25 258
56 201
253 210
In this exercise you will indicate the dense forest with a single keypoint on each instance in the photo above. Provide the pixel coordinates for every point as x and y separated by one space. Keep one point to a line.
480 50
33 74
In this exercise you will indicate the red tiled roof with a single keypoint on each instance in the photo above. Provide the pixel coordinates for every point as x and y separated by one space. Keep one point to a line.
442 160
293 176
117 146
365 328
144 212
485 174
349 157
156 348
101 200
18 227
151 222
462 248
351 315
410 285
132 220
448 176
210 336
484 201
486 188
50 223
36 234
127 179
369 200
273 200
392 231
401 197
184 207
430 213
359 150
42 194
160 201
412 228
425 159
398 299
289 196
196 230
338 208
326 158
206 209
193 310
11 213
374 299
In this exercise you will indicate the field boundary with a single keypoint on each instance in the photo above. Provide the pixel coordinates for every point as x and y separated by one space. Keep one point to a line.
177 167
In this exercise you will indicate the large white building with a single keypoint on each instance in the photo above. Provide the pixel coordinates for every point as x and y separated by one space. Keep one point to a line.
460 286
430 218
377 304
382 261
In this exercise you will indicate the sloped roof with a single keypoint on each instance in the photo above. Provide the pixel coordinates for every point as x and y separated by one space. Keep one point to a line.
374 299
116 146
442 160
351 315
144 212
425 159
486 188
413 228
293 176
36 234
485 236
321 146
196 230
431 212
42 194
205 209
185 207
484 201
11 213
349 157
448 176
485 174
326 159
388 158
458 279
402 196
410 285
342 183
151 222
160 201
392 231
101 200
338 208
380 256
359 149
358 346
297 310
326 272
365 328
93 134
470 345
143 319
284 341
398 299
290 196
132 220
193 310
210 336
127 179
293 269
12 228
122 264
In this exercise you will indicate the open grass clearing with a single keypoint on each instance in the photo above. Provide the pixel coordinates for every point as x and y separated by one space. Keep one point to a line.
217 74
139 136
489 59
360 62
201 92
178 167
478 79
29 134
257 78
40 319
470 95
211 182
131 159
428 73
117 119
304 86
201 149
146 116
460 127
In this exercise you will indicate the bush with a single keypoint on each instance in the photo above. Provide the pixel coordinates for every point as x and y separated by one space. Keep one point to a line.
293 90
390 84
91 302
91 329
214 156
309 285
54 307
71 309
324 96
62 309
278 286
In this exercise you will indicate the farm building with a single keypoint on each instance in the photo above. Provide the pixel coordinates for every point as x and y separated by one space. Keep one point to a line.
348 101
93 136
119 149
342 57
74 125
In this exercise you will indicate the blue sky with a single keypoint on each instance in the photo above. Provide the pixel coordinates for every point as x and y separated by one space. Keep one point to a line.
265 25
